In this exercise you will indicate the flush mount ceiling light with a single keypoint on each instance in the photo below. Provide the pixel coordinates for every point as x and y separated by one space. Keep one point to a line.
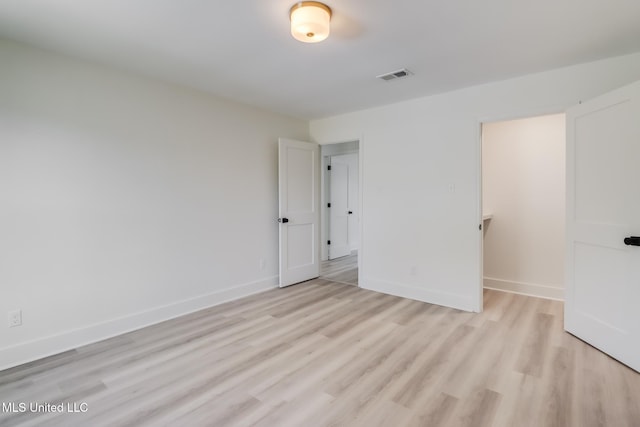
310 21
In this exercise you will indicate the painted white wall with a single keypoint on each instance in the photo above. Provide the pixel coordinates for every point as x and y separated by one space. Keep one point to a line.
523 187
421 176
125 201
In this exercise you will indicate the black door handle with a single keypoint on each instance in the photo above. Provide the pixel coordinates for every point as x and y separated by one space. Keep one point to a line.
350 212
632 241
283 220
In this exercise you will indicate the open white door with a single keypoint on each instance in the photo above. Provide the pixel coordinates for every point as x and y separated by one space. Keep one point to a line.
299 191
603 212
339 210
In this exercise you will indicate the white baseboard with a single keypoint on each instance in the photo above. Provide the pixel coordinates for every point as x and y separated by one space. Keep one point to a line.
68 340
529 289
460 302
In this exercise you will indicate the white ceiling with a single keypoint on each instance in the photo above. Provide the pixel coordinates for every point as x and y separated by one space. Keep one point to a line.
242 49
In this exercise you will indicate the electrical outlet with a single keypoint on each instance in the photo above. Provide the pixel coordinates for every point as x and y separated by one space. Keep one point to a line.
15 318
262 263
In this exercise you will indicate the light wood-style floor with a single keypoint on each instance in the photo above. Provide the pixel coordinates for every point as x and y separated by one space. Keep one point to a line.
329 354
343 269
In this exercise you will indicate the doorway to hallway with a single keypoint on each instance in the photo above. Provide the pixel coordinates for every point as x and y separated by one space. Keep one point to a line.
342 270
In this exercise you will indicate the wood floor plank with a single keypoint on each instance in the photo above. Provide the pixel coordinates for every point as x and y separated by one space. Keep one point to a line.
531 357
324 353
558 405
428 370
438 412
480 410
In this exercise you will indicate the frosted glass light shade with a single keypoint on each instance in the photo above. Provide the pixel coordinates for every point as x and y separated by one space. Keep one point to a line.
310 21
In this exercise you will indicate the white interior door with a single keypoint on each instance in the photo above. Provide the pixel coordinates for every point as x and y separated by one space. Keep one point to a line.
339 211
603 212
354 216
298 191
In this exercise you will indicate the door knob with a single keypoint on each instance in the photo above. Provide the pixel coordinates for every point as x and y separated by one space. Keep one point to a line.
632 241
350 212
283 220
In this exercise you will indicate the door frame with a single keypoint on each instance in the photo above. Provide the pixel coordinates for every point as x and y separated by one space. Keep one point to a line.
324 214
501 117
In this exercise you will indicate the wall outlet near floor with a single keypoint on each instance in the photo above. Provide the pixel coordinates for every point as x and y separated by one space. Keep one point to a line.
262 263
14 318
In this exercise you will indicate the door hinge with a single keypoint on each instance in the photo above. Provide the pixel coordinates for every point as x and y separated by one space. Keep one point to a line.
329 167
480 227
328 205
328 242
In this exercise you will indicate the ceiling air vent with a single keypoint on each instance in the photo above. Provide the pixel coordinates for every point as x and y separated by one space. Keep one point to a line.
394 75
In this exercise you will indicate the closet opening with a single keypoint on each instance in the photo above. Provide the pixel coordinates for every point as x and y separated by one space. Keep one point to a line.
523 206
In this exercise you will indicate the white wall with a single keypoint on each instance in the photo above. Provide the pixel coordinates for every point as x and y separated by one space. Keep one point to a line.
125 201
421 175
523 174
